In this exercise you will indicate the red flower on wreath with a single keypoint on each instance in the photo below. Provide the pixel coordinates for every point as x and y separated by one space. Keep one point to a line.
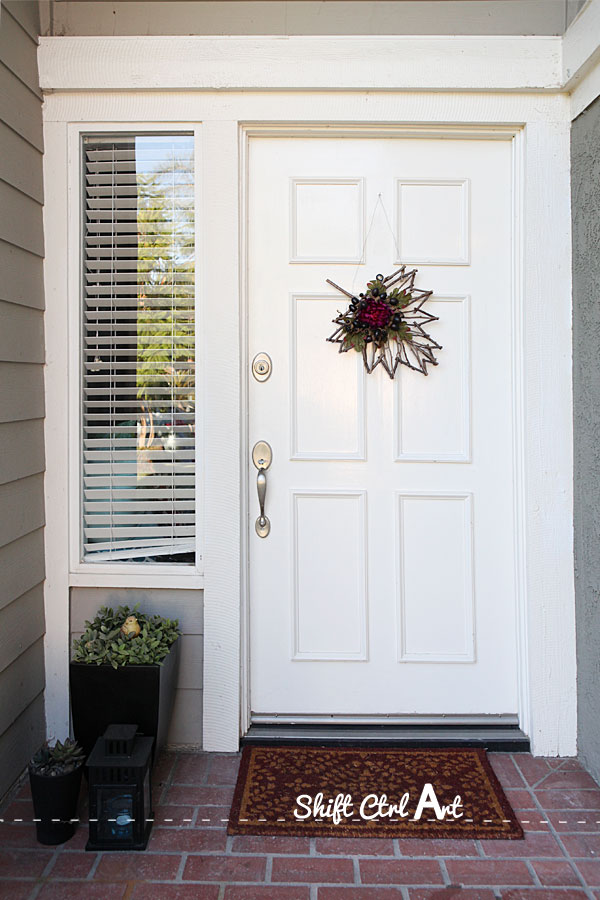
376 315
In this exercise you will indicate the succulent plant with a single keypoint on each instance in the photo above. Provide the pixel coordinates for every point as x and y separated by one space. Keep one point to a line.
57 759
125 637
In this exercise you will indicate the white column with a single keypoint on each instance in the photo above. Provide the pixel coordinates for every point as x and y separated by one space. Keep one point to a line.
219 309
56 588
549 437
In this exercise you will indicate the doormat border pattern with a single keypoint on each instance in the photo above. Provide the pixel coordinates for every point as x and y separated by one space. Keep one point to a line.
501 824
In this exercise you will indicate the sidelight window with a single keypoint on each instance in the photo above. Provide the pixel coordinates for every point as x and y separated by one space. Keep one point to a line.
138 413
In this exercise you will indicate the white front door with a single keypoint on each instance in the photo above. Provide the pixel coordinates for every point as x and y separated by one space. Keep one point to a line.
387 583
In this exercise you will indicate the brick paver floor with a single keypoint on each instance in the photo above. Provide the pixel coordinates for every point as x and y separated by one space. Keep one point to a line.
190 855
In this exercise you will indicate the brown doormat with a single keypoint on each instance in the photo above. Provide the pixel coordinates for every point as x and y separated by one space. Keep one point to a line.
370 792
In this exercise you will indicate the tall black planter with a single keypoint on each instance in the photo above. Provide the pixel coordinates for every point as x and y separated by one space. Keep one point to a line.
55 797
130 695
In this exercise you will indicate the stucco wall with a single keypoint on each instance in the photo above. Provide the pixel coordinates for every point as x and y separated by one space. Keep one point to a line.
585 147
22 726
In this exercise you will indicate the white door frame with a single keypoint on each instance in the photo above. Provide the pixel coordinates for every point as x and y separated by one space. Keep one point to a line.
538 123
478 132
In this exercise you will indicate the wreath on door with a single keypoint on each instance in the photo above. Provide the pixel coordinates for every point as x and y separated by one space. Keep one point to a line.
385 324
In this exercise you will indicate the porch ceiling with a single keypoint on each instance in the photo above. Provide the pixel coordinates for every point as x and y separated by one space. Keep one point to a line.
475 17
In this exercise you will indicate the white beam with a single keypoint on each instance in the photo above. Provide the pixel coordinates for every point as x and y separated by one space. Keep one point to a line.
301 63
586 91
581 45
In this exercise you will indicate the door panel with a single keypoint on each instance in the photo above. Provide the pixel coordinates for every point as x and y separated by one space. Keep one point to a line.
328 525
386 584
432 416
316 434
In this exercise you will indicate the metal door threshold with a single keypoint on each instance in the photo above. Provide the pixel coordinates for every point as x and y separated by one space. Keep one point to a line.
508 738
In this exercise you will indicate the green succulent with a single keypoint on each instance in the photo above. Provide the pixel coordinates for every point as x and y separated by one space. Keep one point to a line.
103 643
59 759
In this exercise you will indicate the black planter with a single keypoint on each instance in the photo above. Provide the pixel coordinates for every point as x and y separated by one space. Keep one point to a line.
130 695
55 797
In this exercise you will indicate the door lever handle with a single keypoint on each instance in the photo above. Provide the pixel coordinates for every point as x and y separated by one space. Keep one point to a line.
262 456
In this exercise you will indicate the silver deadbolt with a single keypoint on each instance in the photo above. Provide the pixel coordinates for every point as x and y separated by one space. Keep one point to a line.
262 366
262 456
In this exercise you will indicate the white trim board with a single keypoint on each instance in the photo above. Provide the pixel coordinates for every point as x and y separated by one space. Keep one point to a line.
542 385
586 91
581 57
581 44
301 63
317 110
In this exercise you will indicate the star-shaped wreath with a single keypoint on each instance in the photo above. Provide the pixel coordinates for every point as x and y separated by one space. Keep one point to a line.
385 324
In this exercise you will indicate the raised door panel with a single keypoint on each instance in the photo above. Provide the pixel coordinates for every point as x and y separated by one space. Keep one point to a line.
328 527
432 416
317 431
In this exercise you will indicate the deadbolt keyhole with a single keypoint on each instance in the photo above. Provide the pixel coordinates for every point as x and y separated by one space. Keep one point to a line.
262 366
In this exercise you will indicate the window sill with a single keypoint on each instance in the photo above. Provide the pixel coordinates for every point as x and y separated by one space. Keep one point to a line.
96 576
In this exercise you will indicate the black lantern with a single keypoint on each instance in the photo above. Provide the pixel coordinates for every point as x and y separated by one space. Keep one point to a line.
119 790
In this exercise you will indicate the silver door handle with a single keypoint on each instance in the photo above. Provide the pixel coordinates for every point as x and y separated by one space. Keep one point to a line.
262 456
261 486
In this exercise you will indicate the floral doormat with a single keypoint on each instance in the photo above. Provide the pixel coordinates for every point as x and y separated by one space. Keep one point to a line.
370 792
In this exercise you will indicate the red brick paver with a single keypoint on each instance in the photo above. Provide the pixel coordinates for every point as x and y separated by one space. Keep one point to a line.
23 863
137 867
488 871
266 892
451 892
437 847
15 890
535 844
191 856
543 894
152 891
355 846
557 872
258 843
190 840
225 868
359 893
75 890
401 871
312 870
72 864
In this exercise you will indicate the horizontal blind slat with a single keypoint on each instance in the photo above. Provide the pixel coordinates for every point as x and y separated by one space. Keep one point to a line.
175 482
112 550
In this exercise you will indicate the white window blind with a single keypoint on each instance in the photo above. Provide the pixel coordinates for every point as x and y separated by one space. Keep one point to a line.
138 355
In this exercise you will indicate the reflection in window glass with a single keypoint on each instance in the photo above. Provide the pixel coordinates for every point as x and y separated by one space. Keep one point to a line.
138 355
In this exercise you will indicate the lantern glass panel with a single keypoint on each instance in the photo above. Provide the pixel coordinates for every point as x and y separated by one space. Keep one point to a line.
116 814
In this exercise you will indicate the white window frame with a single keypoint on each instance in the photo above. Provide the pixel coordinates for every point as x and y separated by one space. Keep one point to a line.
107 573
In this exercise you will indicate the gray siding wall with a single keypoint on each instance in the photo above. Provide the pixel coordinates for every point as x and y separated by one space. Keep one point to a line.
585 150
184 605
22 726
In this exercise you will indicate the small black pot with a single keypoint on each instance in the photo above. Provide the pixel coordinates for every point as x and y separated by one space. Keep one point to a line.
55 797
130 695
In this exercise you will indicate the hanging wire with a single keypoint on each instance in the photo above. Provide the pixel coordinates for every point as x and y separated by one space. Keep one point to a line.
378 202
